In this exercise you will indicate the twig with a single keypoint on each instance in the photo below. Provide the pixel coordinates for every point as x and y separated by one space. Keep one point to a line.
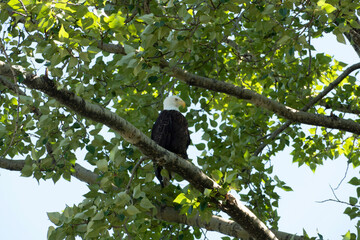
332 190
347 167
337 200
133 173
310 57
126 229
346 171
132 16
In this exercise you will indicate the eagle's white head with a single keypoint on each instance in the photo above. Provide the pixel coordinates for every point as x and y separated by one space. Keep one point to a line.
173 103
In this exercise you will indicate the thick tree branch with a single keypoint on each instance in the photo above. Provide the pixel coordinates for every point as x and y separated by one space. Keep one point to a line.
309 105
80 173
161 156
261 101
11 86
216 223
12 165
293 115
167 214
111 48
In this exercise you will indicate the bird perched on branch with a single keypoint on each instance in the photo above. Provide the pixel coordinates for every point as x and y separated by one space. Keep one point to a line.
171 132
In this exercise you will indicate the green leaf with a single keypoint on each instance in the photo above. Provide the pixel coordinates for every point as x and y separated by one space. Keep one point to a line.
102 165
230 177
54 217
84 56
117 22
207 192
355 181
81 215
145 203
328 7
63 34
129 49
137 192
148 18
180 199
27 170
217 175
353 201
99 215
312 131
14 101
269 9
39 60
247 155
113 152
34 154
283 39
90 148
347 236
121 199
340 37
286 188
200 146
283 12
132 210
81 228
51 229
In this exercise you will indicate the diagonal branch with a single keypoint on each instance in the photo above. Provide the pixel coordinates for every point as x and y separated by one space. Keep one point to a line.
309 105
293 115
289 113
161 156
216 223
168 214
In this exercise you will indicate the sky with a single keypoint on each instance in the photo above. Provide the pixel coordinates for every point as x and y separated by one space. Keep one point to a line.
24 203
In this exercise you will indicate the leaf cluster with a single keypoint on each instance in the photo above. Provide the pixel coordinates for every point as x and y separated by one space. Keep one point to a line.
111 53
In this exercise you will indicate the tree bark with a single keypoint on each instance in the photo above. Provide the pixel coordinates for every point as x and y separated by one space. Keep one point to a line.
264 102
294 115
168 214
149 148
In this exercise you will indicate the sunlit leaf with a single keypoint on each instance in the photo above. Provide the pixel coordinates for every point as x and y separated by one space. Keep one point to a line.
63 34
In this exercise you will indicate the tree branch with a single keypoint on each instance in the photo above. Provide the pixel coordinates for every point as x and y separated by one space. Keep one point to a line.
161 156
133 172
165 213
264 102
216 223
293 115
80 173
309 105
12 165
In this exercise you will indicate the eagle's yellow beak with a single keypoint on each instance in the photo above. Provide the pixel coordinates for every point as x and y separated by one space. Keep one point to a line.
182 103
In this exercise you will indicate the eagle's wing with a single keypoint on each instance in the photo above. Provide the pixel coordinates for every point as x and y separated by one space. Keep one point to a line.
161 134
161 131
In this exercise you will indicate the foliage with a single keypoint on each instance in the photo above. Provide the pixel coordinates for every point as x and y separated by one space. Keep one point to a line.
259 45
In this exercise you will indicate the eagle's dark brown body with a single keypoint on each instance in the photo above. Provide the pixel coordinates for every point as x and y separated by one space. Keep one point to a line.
171 132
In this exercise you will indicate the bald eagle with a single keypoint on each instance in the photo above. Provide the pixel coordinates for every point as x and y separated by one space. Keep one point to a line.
171 132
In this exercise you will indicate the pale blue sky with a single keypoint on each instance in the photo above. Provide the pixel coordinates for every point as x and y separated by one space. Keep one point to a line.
24 202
